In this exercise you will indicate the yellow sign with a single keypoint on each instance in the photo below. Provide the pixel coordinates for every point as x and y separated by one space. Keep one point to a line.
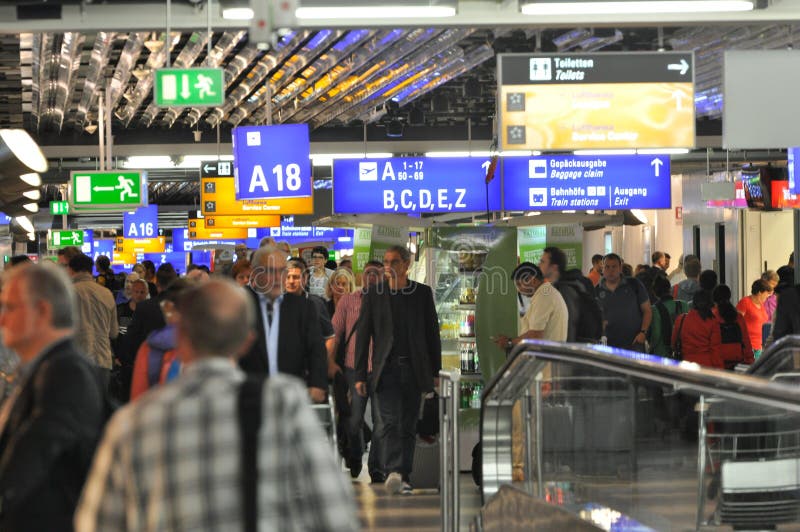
119 258
231 222
198 231
218 197
141 245
600 116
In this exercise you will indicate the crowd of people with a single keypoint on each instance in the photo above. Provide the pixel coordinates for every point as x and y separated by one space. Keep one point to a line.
191 356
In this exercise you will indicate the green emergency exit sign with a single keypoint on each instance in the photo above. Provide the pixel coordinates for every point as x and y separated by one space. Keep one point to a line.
59 207
114 191
59 238
189 87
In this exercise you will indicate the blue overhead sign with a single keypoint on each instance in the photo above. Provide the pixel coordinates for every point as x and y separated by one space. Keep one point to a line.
299 235
567 182
793 166
177 259
4 219
272 161
181 242
413 185
88 242
141 223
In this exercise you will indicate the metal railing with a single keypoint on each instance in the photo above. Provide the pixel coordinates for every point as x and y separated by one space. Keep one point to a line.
515 382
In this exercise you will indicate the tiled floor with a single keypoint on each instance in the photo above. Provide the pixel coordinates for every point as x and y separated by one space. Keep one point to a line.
417 512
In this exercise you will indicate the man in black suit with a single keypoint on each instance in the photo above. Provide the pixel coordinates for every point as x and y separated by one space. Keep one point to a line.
51 423
289 338
399 317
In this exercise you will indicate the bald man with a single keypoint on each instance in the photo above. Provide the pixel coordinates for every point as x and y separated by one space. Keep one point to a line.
176 449
288 335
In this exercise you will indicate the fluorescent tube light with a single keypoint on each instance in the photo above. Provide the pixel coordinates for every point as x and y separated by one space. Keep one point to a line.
605 152
34 194
145 162
237 13
32 237
24 148
635 7
326 159
351 12
662 151
31 207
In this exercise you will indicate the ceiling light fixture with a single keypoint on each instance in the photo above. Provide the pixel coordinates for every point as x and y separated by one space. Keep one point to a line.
34 194
90 128
19 153
237 13
33 179
355 9
626 7
25 223
31 207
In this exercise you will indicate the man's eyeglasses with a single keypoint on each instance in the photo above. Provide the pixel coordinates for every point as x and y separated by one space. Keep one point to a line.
318 257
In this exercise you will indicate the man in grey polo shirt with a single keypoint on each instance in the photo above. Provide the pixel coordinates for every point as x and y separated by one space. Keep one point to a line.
625 304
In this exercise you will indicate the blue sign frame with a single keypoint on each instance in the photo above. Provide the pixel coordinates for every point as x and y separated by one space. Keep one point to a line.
793 167
181 242
580 183
141 223
413 185
272 161
176 258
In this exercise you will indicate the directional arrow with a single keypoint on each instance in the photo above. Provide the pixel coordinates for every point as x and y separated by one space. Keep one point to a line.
656 164
207 168
103 189
683 66
678 96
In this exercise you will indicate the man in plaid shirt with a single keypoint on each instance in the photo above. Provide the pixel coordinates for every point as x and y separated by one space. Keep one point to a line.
171 461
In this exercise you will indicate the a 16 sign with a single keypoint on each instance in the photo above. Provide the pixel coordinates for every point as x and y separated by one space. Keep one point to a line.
141 223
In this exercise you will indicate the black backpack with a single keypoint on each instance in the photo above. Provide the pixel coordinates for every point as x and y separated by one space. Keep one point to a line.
731 333
590 316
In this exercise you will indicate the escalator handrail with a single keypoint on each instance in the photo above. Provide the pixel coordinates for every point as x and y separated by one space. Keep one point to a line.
770 357
680 375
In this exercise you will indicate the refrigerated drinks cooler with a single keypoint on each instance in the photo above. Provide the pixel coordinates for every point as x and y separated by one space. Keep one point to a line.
469 270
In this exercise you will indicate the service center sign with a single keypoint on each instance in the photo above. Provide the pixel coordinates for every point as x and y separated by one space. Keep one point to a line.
272 161
567 182
413 185
596 101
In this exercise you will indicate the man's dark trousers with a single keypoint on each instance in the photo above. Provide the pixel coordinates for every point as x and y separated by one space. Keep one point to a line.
354 426
397 398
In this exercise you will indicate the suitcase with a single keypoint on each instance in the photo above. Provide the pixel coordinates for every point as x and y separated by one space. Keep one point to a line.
425 473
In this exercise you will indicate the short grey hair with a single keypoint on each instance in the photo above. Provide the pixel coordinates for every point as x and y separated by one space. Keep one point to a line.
403 251
48 282
261 255
216 317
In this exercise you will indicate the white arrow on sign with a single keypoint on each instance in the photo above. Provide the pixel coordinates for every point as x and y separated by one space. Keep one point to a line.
656 164
103 189
678 96
683 66
207 168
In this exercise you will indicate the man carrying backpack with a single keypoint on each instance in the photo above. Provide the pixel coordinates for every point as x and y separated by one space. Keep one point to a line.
665 311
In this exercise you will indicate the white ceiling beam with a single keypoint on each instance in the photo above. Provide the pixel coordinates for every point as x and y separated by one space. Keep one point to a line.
137 16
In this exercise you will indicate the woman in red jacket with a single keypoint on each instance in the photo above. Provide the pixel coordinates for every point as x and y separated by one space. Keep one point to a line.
700 340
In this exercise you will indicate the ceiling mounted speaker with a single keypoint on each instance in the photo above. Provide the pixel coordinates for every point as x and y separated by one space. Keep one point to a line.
19 154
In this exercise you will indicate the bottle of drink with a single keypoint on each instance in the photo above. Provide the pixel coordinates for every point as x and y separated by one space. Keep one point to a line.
470 359
463 358
475 402
476 364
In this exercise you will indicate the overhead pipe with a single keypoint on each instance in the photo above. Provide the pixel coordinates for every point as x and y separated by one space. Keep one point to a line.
62 82
311 73
369 71
187 56
127 59
48 70
321 40
233 70
37 44
223 47
256 76
471 59
144 84
446 40
396 80
97 61
350 64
